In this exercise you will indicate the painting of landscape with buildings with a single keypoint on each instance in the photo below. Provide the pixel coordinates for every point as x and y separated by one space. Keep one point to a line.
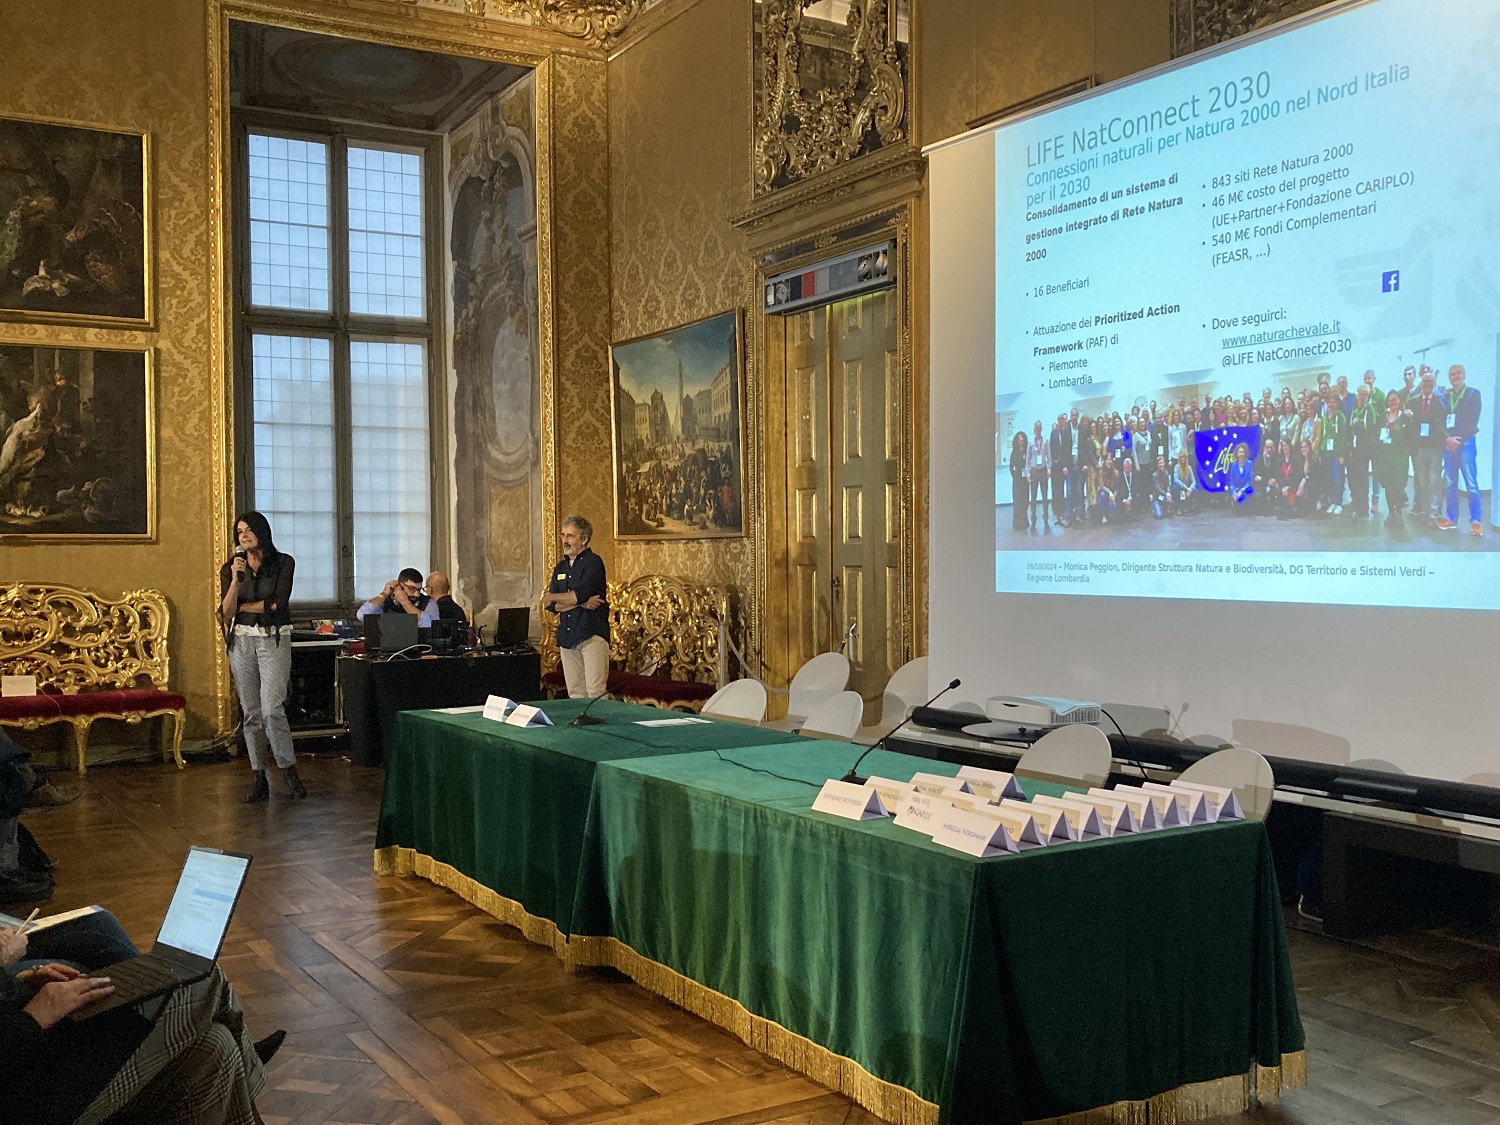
678 445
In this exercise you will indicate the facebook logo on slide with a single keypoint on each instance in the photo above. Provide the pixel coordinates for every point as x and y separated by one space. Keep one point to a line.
1390 281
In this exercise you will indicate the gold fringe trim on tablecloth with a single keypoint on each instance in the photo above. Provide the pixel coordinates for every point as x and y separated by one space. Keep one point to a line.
888 1101
396 860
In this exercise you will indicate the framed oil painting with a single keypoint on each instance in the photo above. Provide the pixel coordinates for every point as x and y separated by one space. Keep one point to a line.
77 443
73 224
679 471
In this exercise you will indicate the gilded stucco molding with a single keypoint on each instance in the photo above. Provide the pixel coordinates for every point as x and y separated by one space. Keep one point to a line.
861 107
1206 23
599 23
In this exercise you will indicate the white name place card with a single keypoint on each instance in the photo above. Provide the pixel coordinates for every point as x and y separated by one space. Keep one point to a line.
497 706
1081 815
994 784
974 833
937 783
891 792
1190 803
1168 811
17 685
471 710
1228 804
920 812
1052 825
1117 817
526 715
1142 808
850 801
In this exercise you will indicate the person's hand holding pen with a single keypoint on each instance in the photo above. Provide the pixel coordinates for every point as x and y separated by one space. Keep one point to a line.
13 942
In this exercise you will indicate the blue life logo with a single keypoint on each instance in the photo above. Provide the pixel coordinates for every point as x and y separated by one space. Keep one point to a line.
1390 281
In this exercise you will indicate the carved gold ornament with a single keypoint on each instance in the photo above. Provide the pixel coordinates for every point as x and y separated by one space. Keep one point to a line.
859 108
73 640
598 21
660 626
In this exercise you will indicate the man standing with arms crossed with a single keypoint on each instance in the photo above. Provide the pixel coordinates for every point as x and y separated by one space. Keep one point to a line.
1460 448
577 595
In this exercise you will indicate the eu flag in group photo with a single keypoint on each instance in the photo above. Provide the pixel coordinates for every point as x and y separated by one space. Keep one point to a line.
1214 453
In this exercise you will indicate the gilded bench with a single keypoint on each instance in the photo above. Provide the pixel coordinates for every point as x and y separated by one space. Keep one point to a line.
93 658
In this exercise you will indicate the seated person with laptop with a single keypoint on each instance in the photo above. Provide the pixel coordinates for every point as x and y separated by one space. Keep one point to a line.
178 1055
403 594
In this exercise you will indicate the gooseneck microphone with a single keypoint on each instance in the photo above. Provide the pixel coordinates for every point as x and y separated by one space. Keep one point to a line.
584 719
853 776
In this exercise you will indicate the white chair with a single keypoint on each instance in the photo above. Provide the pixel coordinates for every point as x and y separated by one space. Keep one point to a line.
820 678
1242 770
837 717
904 691
1076 754
743 700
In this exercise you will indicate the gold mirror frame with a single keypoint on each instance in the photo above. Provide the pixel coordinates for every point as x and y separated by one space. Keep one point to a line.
832 124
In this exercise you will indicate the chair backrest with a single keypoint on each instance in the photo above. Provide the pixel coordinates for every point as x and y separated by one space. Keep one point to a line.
1076 753
72 639
1244 771
742 699
906 689
824 675
837 717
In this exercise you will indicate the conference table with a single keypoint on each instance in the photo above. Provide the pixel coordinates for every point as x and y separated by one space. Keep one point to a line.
1143 975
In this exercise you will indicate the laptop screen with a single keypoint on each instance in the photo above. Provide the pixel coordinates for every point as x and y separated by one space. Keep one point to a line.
203 902
512 627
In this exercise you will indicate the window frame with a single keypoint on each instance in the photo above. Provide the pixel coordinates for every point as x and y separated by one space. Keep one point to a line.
339 325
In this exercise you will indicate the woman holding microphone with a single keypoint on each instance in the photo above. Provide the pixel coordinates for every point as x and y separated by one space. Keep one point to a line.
255 585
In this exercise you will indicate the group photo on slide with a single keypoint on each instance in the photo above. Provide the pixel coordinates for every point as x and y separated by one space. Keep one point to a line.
1361 464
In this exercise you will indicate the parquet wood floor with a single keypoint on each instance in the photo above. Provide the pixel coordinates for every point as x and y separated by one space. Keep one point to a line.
406 1006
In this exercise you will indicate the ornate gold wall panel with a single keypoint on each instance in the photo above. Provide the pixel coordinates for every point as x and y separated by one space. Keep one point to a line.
674 170
576 167
140 67
1204 23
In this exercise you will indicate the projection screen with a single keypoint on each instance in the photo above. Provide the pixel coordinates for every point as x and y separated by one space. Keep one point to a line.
1214 380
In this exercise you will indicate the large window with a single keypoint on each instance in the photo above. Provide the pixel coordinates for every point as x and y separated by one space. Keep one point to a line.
336 331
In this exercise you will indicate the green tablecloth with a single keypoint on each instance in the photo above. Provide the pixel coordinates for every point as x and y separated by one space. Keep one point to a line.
505 807
1014 988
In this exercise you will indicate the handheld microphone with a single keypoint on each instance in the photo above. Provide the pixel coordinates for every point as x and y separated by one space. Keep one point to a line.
853 776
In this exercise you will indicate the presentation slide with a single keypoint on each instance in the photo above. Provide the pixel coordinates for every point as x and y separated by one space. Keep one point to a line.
1246 318
1260 243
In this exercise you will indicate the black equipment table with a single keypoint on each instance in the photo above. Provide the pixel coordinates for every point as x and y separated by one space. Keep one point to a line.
374 691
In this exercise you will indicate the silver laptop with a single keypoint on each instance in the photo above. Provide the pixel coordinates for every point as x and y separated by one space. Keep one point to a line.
191 935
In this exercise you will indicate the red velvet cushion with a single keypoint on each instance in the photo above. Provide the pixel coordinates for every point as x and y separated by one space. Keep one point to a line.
658 688
120 702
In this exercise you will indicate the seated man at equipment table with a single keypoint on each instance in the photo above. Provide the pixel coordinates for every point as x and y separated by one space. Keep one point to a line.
440 590
403 594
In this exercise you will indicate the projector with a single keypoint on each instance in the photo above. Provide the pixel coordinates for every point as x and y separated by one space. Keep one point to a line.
1040 710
